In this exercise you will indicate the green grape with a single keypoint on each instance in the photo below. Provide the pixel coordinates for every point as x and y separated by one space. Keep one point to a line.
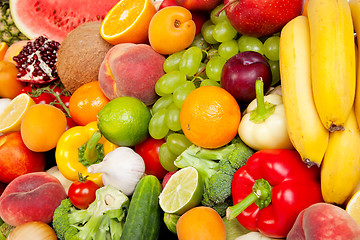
275 71
171 63
167 158
190 61
162 102
271 48
177 143
199 42
172 118
181 92
217 16
201 71
212 53
228 49
210 82
207 32
214 67
247 43
224 31
168 82
157 126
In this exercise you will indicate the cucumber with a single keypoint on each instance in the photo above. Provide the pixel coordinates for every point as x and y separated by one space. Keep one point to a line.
143 220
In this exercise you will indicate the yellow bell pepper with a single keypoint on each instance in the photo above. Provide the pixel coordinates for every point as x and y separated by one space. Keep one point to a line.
68 150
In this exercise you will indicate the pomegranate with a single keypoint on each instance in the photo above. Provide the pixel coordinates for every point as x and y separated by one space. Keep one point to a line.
36 61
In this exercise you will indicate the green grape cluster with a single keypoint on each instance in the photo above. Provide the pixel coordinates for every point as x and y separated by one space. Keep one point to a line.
227 42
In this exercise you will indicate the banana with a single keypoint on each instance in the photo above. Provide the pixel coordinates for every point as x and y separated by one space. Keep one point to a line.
340 167
306 131
333 70
355 12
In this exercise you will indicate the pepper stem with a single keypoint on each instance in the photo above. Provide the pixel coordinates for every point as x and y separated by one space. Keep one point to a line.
260 195
263 109
91 154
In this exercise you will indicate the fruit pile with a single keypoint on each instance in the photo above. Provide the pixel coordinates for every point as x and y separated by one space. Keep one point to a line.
179 119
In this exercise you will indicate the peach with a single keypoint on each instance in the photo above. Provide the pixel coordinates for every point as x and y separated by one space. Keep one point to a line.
31 197
131 70
14 50
324 221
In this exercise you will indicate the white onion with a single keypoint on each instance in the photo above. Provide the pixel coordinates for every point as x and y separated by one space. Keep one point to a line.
32 230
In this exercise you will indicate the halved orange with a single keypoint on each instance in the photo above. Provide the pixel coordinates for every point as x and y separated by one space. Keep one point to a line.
128 22
3 48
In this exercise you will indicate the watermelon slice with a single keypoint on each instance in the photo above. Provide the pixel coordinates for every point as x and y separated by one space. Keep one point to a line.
56 18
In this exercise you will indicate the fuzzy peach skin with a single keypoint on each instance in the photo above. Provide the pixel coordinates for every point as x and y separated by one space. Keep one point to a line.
131 70
322 221
31 197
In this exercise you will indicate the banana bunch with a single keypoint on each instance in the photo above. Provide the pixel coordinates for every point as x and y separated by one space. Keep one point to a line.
318 78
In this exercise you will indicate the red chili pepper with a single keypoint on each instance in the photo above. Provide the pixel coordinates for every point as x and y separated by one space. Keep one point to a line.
271 189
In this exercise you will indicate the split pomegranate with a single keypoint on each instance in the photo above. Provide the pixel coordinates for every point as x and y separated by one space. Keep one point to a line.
36 61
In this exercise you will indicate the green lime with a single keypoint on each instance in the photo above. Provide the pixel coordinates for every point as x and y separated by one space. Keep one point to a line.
182 192
124 121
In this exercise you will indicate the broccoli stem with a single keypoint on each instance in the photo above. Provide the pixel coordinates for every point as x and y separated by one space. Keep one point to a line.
89 230
260 195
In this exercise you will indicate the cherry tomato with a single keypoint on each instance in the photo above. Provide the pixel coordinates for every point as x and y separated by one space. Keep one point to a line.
45 98
82 192
70 123
149 151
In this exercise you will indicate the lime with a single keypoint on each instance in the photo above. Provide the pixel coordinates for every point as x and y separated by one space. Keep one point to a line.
10 118
182 192
124 121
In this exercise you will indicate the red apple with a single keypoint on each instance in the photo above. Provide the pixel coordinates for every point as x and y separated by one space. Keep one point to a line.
16 159
199 5
259 18
240 72
167 3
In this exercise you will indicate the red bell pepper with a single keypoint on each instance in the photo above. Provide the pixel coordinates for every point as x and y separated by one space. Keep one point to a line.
271 189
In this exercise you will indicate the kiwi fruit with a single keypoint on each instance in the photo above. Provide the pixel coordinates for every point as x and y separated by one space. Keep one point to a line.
80 55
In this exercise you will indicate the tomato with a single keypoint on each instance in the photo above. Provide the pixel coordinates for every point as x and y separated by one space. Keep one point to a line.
82 192
149 151
70 123
43 97
171 30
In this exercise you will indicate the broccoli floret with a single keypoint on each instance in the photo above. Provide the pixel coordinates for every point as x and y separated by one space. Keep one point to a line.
217 168
103 219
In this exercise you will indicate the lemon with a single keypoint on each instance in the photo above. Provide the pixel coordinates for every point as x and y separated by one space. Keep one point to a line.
10 118
124 121
182 192
353 206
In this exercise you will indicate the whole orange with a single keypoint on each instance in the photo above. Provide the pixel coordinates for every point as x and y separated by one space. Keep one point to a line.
41 127
86 102
171 30
201 223
9 85
210 117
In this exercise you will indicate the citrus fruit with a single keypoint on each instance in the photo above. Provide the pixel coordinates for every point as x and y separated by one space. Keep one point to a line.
42 126
124 121
9 85
3 48
128 21
86 102
11 116
210 117
182 192
201 223
353 206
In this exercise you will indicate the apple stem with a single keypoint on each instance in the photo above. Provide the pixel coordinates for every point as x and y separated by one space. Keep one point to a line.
263 109
223 8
